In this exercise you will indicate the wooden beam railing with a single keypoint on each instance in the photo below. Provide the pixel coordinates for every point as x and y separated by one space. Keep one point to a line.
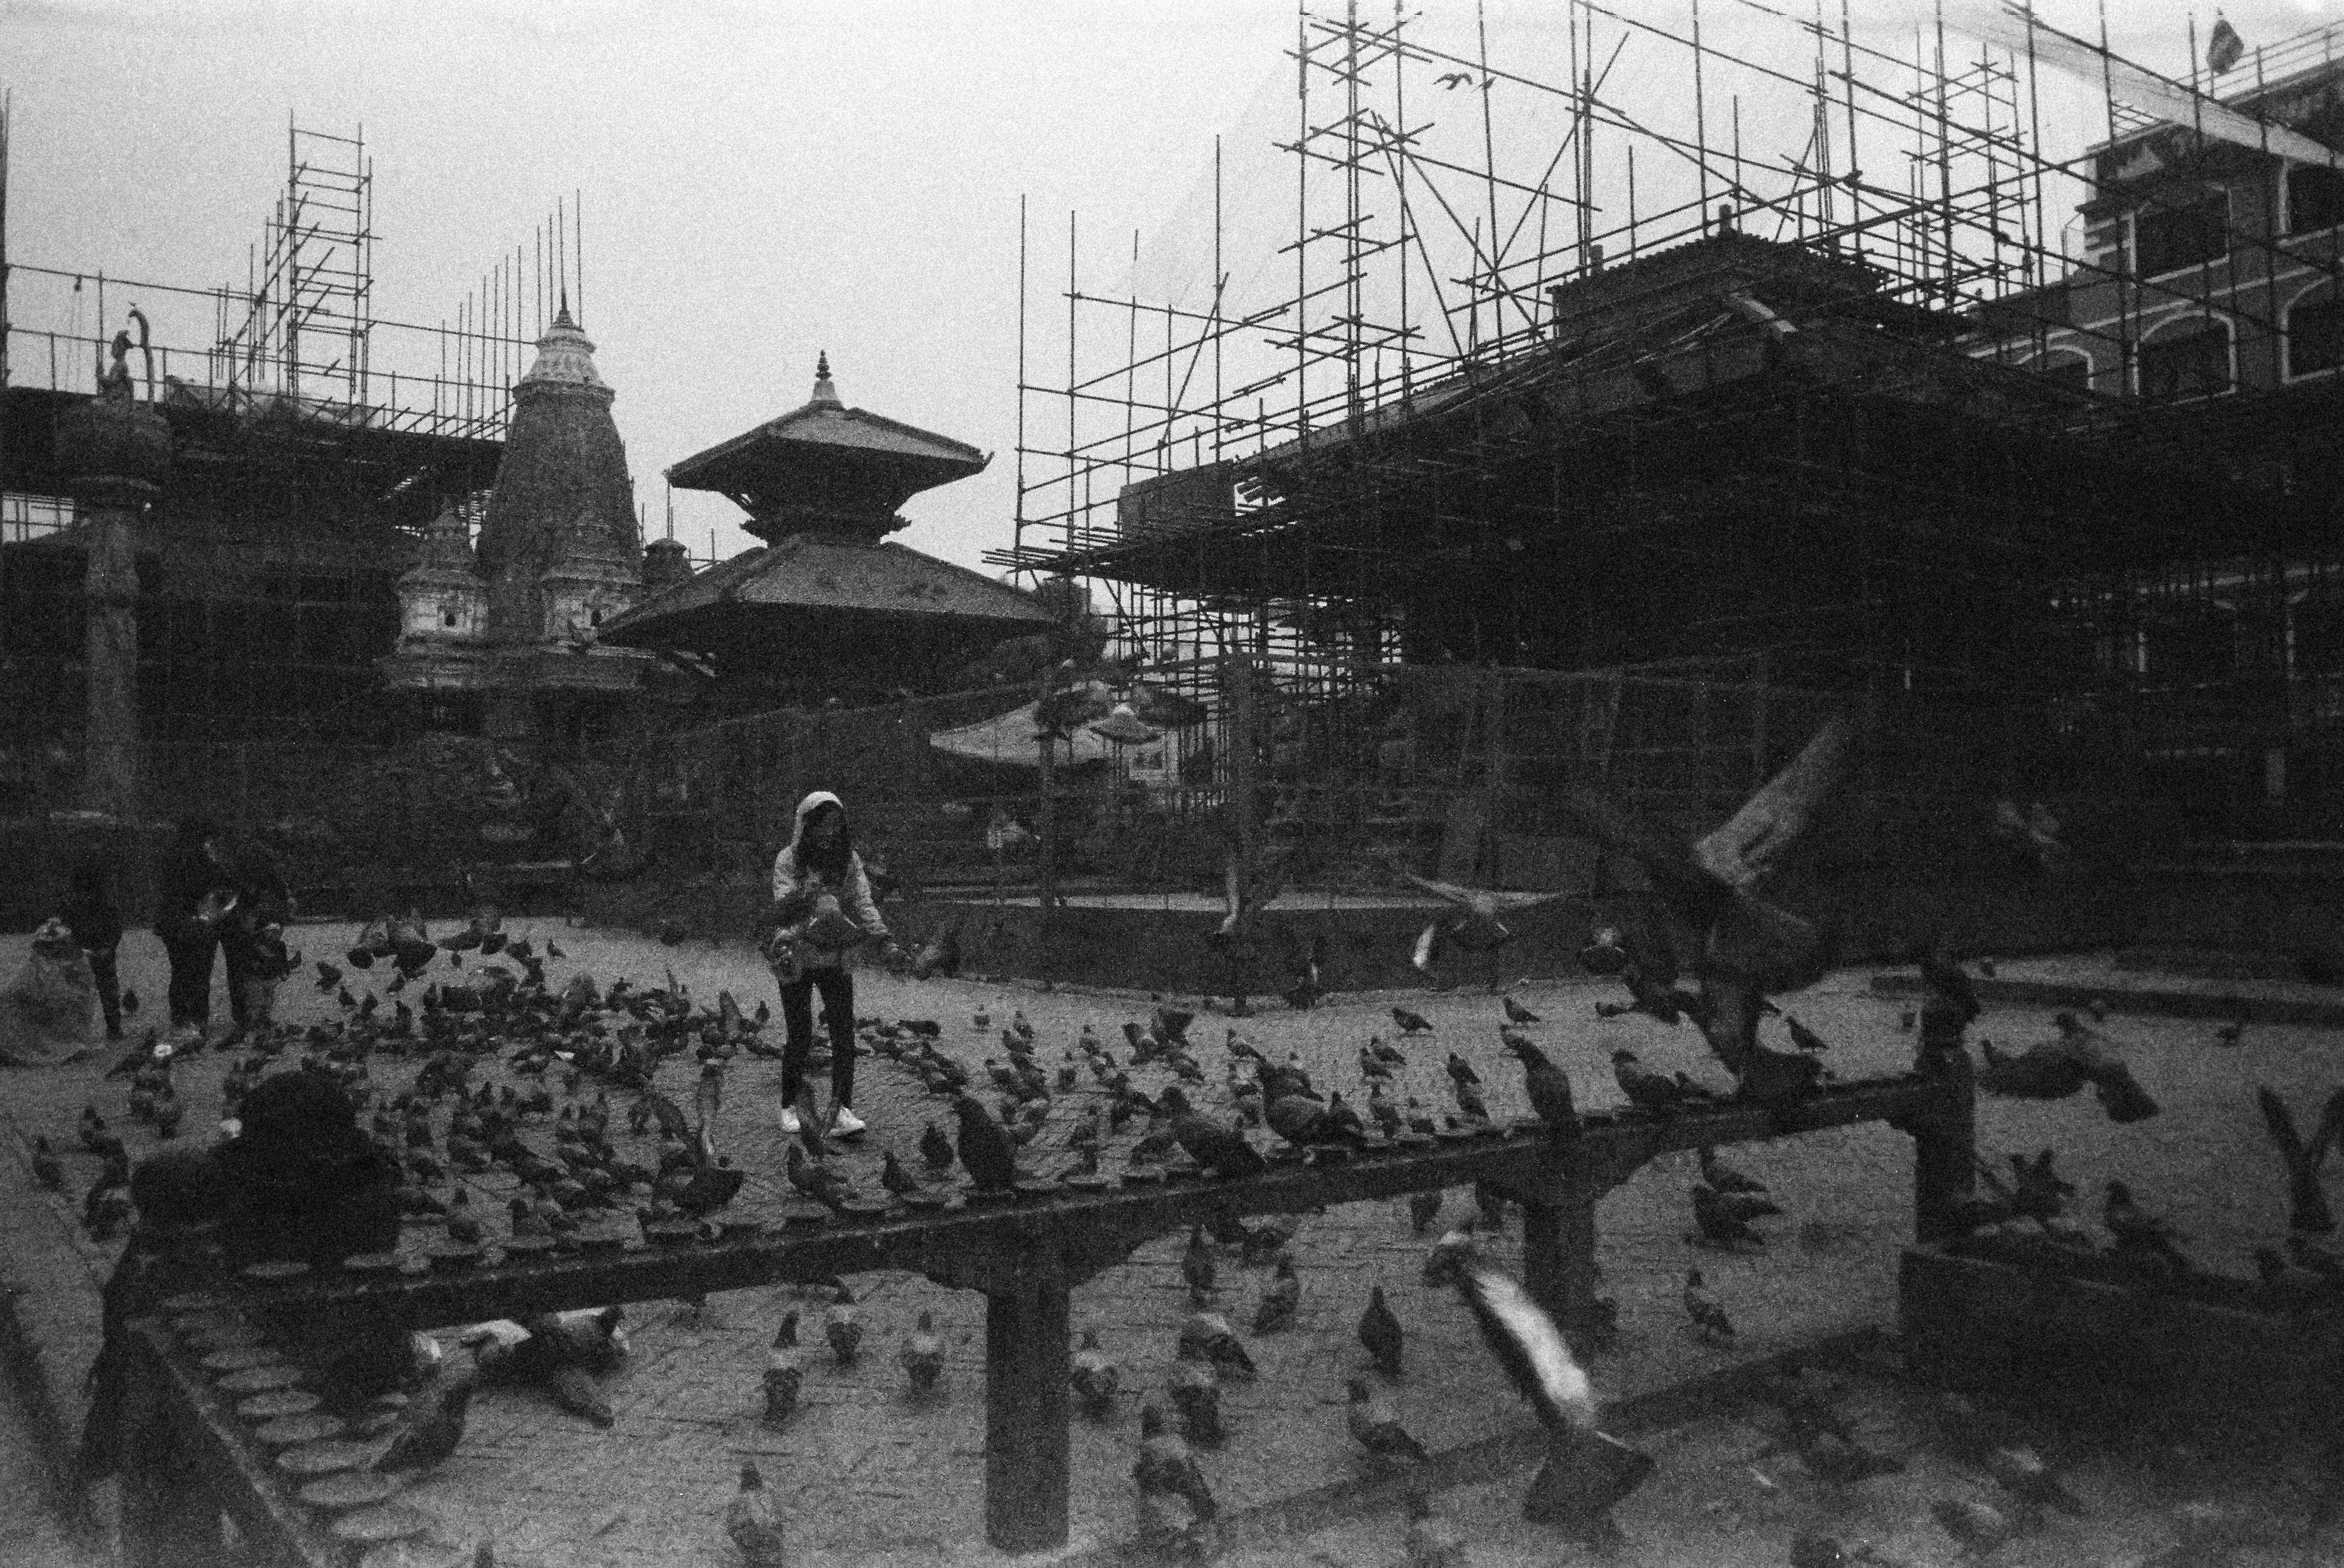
190 1458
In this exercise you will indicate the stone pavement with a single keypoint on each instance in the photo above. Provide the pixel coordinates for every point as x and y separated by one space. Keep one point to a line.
868 1476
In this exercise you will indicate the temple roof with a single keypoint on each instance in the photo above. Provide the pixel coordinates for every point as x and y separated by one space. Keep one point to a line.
445 553
826 455
775 588
564 356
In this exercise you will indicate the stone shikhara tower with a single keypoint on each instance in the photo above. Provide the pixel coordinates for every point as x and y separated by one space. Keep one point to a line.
518 620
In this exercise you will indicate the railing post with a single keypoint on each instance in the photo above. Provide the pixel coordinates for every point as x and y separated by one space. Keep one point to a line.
168 1520
1944 1137
1558 1256
1027 1361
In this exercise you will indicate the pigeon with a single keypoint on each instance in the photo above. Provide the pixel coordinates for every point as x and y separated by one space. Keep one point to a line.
816 1180
784 1373
1197 1265
936 1148
1549 1087
129 1002
1299 1119
1207 1336
1646 1089
842 1325
1805 1039
2308 1208
1427 949
1980 1528
1410 1023
1708 1316
2040 1192
752 1524
1431 1541
572 1388
2137 1230
1723 1177
1096 1378
1491 1205
2231 1033
1516 1013
1374 1426
1587 1469
1282 1299
2020 1471
2040 1072
1167 1466
1195 1396
986 1151
941 955
1214 1147
923 1356
432 1424
1725 1218
1381 1332
894 1178
1423 1207
1710 888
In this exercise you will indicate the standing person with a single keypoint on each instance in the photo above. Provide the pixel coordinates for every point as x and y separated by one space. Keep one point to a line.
191 872
822 908
252 937
90 915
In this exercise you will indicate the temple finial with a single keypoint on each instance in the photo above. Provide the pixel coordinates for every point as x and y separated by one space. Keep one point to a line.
825 391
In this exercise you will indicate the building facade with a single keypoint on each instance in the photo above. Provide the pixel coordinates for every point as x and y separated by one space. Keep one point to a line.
2207 312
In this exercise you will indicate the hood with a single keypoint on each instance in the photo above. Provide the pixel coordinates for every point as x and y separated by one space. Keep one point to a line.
806 808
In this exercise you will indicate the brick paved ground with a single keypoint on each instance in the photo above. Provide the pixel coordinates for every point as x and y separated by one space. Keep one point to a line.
868 1476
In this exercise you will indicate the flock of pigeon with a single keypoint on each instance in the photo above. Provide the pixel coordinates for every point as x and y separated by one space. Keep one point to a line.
532 1117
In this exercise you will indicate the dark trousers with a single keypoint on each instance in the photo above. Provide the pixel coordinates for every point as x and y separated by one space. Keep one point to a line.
242 959
191 945
837 987
109 988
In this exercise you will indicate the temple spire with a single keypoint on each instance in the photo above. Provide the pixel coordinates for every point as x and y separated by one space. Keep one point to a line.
825 391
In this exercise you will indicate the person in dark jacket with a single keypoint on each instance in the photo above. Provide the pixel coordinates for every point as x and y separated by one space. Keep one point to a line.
300 1182
90 915
251 937
190 875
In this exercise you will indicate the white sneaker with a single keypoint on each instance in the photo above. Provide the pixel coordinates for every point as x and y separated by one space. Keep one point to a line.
789 1120
843 1122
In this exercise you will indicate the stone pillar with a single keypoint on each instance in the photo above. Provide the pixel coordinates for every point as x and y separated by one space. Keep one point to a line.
114 455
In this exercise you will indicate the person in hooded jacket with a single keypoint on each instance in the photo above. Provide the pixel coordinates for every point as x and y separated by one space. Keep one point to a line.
822 909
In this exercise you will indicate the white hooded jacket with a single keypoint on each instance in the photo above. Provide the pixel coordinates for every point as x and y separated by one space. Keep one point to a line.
792 878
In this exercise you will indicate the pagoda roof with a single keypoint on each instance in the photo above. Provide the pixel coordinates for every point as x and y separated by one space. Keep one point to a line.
838 578
824 434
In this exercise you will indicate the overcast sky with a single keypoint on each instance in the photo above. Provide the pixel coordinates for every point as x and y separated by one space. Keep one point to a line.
761 181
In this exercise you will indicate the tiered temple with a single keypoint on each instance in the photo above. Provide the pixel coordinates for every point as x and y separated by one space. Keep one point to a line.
828 606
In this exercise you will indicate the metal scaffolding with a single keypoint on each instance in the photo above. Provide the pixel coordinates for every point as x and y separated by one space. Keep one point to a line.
1411 452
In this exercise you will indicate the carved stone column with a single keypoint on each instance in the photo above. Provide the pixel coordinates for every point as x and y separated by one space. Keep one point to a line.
115 456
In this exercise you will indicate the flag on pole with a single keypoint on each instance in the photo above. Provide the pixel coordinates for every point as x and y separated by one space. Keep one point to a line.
2223 45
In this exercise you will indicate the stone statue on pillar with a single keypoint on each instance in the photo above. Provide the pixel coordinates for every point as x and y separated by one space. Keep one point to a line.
114 455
